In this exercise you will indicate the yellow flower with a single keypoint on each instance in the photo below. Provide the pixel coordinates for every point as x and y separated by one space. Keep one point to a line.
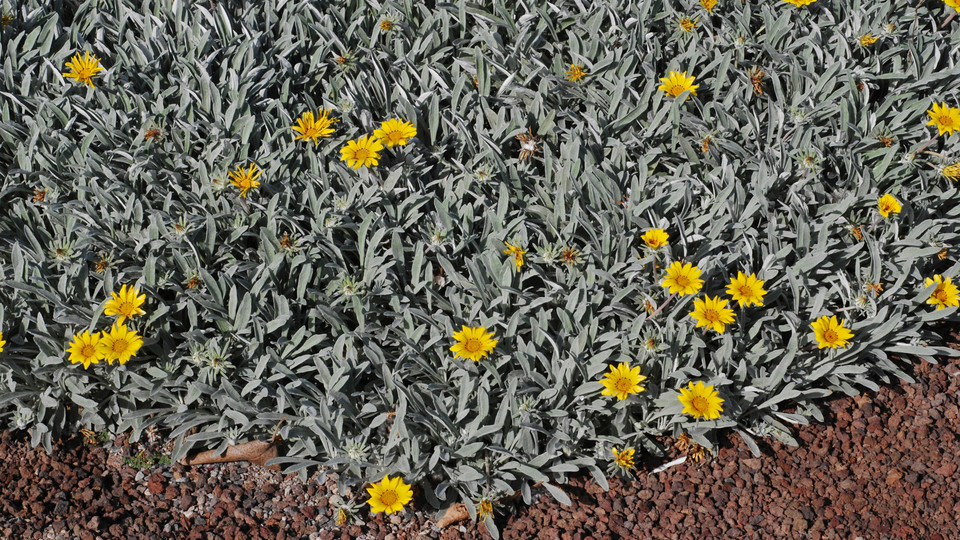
245 179
867 40
516 253
120 344
126 304
623 458
84 349
746 289
2 342
621 381
575 73
484 509
655 238
947 119
830 333
712 313
386 25
363 152
83 69
687 25
952 172
955 4
308 128
888 204
946 293
708 5
473 342
389 495
683 279
701 401
677 83
342 517
395 132
800 3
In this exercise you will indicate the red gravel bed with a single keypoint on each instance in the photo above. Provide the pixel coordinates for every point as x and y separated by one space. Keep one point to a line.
882 466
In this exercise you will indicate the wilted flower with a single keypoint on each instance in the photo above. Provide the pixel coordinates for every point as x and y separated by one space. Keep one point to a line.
686 24
867 40
575 73
516 252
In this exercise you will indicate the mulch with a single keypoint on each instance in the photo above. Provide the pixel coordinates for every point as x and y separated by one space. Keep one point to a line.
883 465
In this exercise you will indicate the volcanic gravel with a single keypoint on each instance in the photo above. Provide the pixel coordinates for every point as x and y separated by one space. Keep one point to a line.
881 466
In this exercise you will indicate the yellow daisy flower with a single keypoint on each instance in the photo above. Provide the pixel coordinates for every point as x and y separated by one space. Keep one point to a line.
683 279
395 132
310 128
708 5
888 204
2 342
120 344
677 83
473 343
85 350
701 401
830 333
947 119
955 4
245 179
83 69
746 289
622 380
576 73
946 293
624 458
516 252
800 3
126 304
712 313
389 495
655 238
363 152
686 24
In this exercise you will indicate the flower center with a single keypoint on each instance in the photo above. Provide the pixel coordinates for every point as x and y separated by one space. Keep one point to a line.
941 295
119 346
88 351
746 291
389 497
675 90
682 281
830 336
624 385
362 154
126 309
701 404
395 136
946 120
711 315
473 345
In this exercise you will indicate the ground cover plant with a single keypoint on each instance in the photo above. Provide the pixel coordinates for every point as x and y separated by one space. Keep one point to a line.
471 248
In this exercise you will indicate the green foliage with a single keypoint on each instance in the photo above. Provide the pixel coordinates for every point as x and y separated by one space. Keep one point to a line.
146 460
344 329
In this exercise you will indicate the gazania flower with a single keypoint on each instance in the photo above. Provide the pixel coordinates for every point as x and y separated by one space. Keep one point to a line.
473 343
947 119
830 333
686 24
952 172
621 381
708 5
946 293
746 289
395 132
516 252
575 73
85 350
120 344
484 509
310 128
955 4
867 40
83 69
2 342
363 152
624 458
888 204
712 313
683 279
677 83
655 238
245 179
389 495
701 401
126 304
800 3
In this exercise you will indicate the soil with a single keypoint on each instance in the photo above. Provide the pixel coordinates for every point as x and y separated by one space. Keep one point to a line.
883 465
